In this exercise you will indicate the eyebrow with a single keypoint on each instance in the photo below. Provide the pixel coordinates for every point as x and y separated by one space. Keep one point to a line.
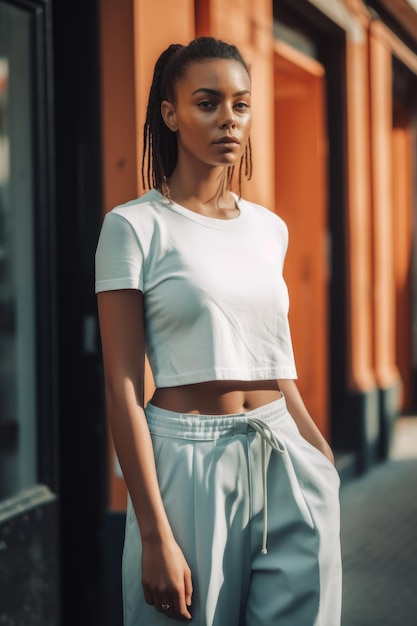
214 92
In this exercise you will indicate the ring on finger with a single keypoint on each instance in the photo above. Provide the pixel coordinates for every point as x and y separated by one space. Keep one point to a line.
166 607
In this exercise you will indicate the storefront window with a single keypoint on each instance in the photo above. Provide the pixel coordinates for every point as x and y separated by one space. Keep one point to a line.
18 446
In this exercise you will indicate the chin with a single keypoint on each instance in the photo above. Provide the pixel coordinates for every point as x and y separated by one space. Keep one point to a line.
230 160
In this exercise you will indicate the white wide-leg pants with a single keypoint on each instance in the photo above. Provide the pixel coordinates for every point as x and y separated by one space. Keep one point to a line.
255 509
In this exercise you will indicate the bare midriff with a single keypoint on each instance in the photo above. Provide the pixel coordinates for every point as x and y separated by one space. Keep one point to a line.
219 397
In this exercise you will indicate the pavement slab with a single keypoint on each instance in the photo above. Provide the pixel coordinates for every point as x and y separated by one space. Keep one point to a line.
379 539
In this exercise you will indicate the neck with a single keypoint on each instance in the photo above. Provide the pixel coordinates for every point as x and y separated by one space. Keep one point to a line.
203 188
206 196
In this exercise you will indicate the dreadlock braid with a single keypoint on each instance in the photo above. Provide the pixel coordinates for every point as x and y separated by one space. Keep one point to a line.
159 143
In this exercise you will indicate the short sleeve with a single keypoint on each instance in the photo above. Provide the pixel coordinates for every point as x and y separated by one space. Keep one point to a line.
119 257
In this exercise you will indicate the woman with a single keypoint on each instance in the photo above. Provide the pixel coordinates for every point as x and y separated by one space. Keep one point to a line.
233 497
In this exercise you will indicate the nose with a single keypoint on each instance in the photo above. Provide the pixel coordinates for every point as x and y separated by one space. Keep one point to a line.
227 117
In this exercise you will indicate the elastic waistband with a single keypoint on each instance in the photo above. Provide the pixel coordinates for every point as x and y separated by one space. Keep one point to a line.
189 426
208 427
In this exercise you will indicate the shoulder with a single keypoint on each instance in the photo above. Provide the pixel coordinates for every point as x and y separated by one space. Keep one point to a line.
140 209
136 219
125 242
265 215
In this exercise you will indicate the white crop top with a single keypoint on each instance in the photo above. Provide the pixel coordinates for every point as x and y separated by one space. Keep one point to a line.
216 304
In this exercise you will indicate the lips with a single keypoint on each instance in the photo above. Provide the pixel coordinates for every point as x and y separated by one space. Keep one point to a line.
227 140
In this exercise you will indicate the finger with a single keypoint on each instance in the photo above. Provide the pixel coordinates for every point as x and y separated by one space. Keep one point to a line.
164 605
159 602
180 605
167 607
188 587
148 595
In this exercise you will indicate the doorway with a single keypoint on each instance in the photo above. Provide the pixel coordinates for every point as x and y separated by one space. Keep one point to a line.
301 200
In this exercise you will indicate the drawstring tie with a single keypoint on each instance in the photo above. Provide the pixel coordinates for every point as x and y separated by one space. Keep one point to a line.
267 437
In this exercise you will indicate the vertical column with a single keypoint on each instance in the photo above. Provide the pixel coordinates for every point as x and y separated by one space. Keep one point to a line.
118 131
384 330
359 426
358 221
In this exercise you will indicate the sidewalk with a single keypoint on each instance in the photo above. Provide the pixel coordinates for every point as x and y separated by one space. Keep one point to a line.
379 538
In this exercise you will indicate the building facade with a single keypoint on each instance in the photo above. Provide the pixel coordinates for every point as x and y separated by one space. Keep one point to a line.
334 148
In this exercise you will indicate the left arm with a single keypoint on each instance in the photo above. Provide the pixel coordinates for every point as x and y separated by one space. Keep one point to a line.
303 419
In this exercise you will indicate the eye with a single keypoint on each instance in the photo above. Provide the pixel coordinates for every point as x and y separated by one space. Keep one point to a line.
206 104
241 106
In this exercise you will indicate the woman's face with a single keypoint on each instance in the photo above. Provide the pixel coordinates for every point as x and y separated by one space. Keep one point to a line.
212 113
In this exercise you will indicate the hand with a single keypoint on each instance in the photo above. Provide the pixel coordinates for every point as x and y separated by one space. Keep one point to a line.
327 451
166 578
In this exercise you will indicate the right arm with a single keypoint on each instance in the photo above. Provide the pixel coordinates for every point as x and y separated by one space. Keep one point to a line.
166 577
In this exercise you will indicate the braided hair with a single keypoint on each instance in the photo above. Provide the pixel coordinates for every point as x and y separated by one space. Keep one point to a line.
160 150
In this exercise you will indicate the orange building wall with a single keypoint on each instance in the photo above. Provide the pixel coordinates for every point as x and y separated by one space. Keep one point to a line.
400 140
379 215
358 220
118 102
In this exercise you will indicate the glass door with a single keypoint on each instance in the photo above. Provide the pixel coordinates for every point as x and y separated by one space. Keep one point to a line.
18 402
